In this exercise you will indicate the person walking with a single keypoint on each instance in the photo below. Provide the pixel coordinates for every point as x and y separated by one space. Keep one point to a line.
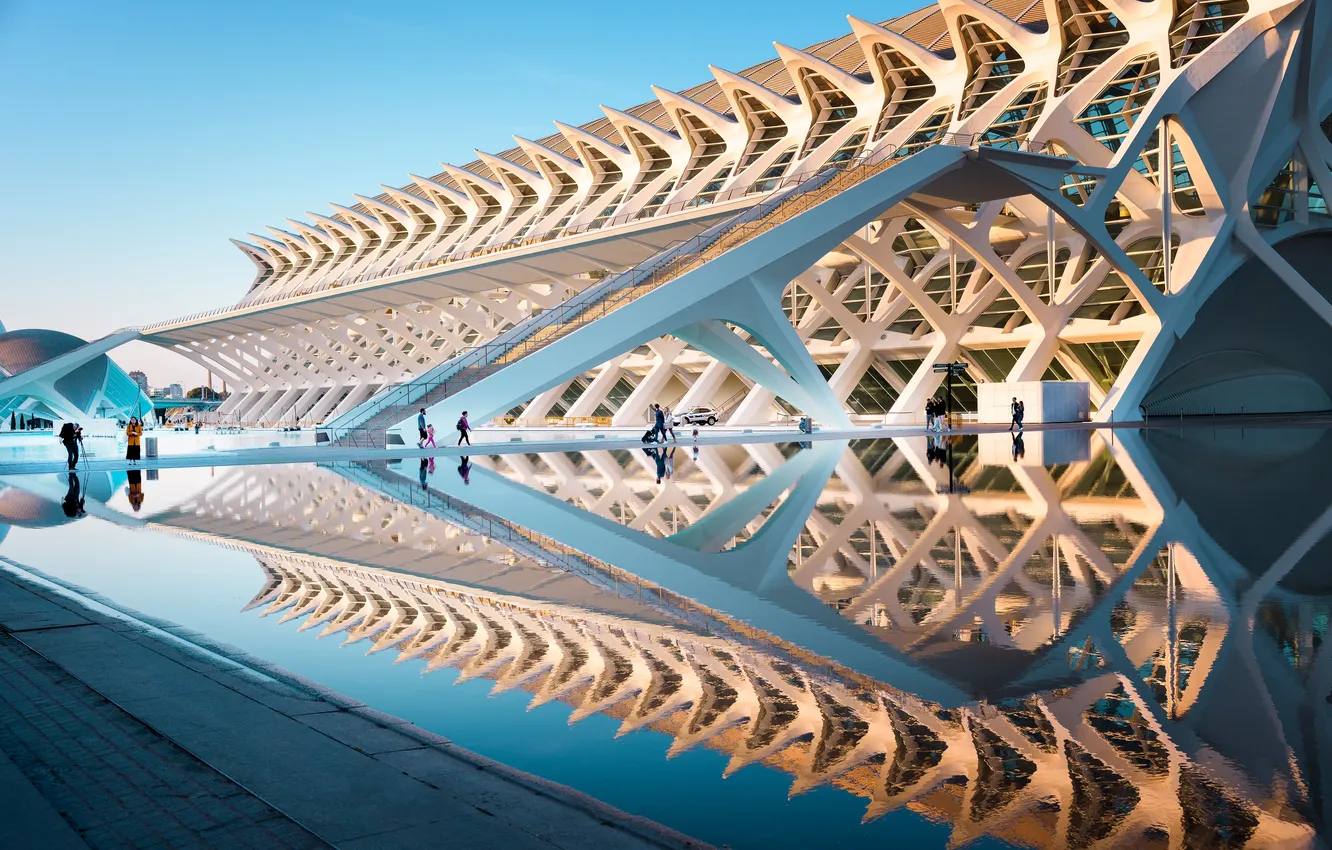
465 470
659 424
71 437
421 429
464 429
670 425
430 437
1015 410
133 433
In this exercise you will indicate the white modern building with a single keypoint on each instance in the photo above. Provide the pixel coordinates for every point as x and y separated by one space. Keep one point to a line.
47 376
1116 192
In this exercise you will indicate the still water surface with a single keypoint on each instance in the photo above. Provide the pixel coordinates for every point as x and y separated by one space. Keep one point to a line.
1081 638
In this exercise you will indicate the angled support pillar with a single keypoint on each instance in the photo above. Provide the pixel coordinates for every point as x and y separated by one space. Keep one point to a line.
635 408
755 304
771 547
712 531
704 390
596 392
713 338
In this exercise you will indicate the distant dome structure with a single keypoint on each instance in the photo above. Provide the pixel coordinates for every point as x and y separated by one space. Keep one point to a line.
91 387
28 510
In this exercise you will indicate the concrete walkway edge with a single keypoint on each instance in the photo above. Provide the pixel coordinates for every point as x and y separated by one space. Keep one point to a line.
527 801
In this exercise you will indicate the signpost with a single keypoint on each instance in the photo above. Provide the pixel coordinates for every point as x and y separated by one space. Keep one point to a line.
950 369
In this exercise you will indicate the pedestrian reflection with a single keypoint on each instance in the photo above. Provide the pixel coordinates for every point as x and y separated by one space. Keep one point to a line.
134 490
73 502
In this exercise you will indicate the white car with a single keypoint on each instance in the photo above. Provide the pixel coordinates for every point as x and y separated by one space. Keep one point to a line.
699 416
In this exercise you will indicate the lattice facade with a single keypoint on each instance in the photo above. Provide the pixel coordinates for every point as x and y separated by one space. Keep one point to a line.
1090 282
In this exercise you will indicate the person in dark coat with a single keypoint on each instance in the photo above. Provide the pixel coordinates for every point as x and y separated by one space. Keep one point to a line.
659 423
71 436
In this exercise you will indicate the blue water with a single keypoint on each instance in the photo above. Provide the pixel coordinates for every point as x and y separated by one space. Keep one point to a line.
204 587
1118 634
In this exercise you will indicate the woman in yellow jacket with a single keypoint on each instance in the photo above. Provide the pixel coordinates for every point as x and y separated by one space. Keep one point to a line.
133 432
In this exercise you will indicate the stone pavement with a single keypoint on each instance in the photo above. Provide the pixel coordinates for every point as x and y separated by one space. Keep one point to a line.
116 782
116 733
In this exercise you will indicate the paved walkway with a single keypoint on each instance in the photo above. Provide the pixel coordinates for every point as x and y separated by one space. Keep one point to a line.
498 441
114 733
501 441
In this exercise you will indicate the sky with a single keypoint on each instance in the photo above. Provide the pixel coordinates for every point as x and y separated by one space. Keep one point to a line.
138 138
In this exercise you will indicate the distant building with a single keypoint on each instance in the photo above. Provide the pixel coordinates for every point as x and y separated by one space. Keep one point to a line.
141 379
174 391
84 387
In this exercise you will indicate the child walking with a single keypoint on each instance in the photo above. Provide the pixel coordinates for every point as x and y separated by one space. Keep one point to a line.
430 437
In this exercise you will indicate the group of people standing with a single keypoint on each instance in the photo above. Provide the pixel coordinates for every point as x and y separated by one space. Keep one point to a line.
936 414
427 431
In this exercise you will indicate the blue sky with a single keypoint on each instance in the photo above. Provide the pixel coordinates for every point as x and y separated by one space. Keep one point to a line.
139 137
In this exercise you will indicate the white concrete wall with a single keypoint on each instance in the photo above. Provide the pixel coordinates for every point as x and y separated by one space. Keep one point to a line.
1046 401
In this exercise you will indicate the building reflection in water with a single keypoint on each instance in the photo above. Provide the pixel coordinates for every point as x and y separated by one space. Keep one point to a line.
1135 674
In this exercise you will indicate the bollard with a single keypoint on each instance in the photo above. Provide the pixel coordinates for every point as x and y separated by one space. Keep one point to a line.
150 447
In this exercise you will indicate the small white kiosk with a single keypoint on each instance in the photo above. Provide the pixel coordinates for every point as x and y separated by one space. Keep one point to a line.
1046 401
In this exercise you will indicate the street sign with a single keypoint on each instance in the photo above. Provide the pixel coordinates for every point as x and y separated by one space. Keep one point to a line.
952 370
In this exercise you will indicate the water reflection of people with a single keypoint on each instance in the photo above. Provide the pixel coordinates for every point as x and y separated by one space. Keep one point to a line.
465 469
425 466
936 450
1019 448
73 503
658 455
135 489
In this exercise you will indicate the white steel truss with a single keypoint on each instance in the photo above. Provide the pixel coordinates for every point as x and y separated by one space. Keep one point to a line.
1093 279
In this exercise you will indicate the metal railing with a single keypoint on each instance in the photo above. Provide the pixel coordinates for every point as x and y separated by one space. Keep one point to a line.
757 187
552 421
536 332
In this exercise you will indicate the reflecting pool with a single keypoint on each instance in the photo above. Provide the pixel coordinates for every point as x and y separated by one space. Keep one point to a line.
1062 639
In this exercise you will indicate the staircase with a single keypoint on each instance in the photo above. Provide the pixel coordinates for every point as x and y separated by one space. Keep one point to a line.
365 425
